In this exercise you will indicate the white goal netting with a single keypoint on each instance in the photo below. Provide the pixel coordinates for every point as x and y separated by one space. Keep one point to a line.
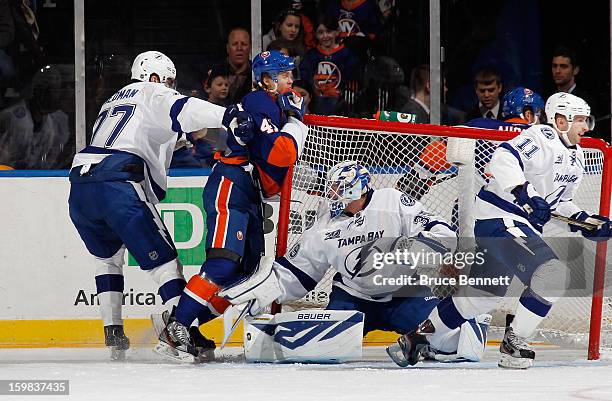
413 159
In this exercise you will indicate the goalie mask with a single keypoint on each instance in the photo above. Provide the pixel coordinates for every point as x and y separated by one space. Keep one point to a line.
519 99
153 62
569 106
271 63
346 182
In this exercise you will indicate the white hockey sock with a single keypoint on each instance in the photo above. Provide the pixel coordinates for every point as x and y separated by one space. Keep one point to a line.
548 284
110 307
525 321
109 284
169 278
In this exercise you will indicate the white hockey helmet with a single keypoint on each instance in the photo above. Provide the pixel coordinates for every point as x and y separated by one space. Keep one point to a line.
154 62
346 182
569 106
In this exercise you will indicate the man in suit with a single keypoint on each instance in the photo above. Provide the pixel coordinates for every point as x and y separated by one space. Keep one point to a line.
488 88
565 67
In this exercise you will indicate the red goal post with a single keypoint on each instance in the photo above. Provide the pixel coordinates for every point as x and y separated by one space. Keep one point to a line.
330 136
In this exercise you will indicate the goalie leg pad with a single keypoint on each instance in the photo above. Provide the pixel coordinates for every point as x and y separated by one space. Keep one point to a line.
317 336
464 344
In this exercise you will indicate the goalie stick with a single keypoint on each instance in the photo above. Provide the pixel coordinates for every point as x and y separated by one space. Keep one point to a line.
227 318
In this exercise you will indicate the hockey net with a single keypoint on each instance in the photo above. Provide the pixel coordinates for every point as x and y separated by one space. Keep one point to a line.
412 158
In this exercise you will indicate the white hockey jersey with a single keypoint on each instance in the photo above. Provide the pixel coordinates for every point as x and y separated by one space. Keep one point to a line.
146 119
338 242
539 156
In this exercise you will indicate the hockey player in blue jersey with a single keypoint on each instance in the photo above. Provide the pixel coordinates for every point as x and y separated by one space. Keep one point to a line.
254 166
521 107
534 174
121 175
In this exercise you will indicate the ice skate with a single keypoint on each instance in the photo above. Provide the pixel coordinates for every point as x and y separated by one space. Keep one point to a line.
175 343
206 347
515 351
410 347
116 341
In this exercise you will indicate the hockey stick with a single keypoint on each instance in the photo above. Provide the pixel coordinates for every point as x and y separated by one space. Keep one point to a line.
569 220
578 223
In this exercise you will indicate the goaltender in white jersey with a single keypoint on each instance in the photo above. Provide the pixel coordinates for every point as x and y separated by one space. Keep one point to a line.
362 222
342 241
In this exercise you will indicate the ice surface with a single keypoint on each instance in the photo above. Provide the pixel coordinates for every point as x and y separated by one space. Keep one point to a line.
558 375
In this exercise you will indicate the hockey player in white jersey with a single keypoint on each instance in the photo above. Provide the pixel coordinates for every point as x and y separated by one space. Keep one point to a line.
362 222
121 175
534 174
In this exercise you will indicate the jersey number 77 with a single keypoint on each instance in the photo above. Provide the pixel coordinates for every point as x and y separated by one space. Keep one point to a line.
122 112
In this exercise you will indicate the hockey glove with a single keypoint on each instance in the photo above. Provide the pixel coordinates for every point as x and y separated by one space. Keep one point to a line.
238 123
602 233
292 104
538 210
262 286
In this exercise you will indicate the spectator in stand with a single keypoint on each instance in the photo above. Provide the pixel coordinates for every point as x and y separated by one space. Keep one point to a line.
488 87
288 26
307 25
239 64
356 18
328 68
565 66
34 131
216 85
20 53
419 103
359 24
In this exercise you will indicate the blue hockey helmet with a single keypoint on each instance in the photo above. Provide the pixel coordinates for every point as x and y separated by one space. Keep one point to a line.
272 63
518 99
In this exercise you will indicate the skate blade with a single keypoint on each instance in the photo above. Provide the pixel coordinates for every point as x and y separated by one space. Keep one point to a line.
397 355
117 354
207 355
173 354
510 362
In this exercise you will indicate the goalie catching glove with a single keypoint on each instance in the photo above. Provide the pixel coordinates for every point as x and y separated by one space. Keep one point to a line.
262 286
604 226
